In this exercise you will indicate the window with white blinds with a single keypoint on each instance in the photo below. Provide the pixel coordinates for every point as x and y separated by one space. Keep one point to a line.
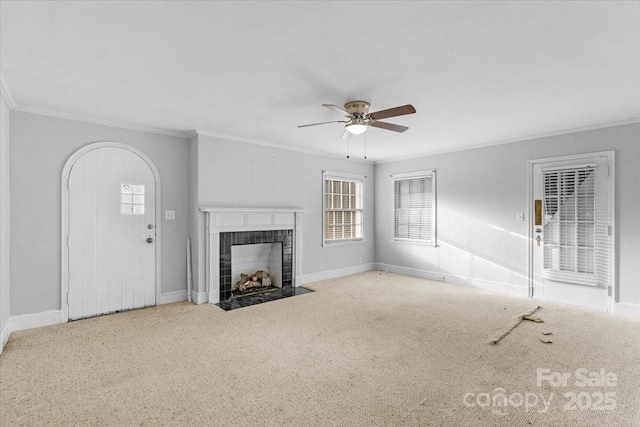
343 207
576 226
415 207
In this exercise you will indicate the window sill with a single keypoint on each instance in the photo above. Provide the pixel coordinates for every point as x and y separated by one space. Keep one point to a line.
415 243
326 244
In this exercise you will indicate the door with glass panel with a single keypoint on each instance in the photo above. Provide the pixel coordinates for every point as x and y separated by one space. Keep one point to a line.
112 233
572 231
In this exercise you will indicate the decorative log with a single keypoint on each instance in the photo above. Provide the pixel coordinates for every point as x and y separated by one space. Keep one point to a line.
249 285
260 279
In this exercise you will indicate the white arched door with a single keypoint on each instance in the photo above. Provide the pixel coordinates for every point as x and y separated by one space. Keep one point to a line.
111 233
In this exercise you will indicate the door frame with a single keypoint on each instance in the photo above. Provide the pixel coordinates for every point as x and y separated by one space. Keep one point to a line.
610 155
64 247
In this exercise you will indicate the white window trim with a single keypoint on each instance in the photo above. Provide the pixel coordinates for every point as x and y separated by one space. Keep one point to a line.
413 175
342 175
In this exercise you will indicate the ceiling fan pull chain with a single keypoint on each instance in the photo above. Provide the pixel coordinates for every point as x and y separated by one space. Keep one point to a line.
365 146
348 146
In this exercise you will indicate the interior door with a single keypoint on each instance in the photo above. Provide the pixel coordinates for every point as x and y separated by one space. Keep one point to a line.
572 232
111 233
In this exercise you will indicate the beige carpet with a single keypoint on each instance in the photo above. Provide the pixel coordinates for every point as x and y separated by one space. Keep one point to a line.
373 349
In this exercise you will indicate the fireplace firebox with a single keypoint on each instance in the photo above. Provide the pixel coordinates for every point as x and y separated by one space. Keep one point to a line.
229 228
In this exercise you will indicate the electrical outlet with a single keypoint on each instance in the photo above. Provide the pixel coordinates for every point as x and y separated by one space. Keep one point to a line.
169 215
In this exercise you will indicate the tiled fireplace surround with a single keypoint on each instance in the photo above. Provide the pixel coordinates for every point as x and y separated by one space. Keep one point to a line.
234 238
227 227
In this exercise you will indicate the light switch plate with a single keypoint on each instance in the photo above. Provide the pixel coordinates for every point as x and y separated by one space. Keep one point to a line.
520 216
169 215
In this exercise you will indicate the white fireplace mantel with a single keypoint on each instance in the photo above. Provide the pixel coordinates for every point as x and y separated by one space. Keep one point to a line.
232 219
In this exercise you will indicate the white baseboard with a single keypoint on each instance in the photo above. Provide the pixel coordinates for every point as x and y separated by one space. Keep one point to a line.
332 274
5 334
35 320
628 309
413 272
199 298
171 297
501 288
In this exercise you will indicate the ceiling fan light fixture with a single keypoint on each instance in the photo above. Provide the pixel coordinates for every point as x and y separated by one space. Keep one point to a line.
358 118
357 128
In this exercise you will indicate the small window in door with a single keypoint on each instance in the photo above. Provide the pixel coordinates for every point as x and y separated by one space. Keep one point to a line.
132 199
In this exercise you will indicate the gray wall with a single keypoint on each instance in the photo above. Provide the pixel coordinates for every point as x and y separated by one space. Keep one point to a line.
479 193
5 230
237 174
40 145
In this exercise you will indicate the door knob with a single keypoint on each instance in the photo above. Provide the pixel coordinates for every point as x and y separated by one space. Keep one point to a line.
149 239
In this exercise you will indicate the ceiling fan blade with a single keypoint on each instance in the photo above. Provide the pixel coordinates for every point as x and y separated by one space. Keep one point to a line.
388 126
393 112
337 109
322 123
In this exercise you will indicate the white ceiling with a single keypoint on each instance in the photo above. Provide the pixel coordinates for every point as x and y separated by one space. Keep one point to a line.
477 73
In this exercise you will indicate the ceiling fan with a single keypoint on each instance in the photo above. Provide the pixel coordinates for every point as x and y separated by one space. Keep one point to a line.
359 118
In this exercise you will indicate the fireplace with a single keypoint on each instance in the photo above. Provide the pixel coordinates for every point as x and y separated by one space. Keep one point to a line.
273 235
250 251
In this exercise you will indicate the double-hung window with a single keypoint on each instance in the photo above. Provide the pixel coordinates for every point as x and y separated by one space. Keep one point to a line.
415 207
343 206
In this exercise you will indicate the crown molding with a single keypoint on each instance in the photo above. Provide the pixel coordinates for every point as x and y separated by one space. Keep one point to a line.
179 134
278 146
6 93
509 141
97 121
